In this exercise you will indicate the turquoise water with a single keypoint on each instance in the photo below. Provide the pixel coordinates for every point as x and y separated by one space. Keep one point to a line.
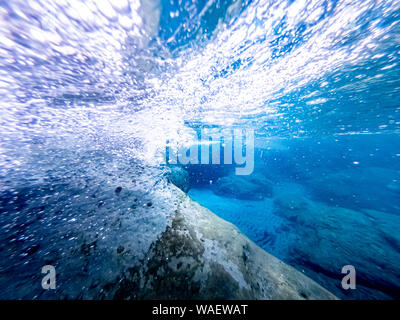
91 91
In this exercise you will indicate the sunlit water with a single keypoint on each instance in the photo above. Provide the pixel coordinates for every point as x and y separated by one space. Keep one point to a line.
89 88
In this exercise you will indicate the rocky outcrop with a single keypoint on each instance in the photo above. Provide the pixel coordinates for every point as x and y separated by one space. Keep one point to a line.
332 237
200 256
134 236
179 177
252 187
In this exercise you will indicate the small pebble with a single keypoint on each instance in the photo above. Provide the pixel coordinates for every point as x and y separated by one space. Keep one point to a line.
118 190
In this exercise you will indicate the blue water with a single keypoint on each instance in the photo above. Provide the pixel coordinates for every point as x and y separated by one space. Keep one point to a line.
326 203
91 90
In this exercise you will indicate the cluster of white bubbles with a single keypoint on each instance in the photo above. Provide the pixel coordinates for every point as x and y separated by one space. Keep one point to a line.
96 74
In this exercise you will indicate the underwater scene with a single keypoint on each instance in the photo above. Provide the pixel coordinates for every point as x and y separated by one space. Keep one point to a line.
208 149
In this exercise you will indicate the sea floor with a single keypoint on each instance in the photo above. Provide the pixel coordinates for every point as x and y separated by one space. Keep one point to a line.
317 238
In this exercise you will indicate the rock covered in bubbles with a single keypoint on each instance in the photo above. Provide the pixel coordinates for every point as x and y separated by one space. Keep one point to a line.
179 177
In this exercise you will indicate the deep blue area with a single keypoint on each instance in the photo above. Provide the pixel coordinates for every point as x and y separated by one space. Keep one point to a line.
316 184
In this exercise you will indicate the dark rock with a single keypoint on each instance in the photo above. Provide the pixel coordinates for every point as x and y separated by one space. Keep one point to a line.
32 249
87 248
120 249
94 284
118 190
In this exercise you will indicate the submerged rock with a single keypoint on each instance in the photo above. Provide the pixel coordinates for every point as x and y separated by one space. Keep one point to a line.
200 256
368 187
137 245
252 187
179 177
332 237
